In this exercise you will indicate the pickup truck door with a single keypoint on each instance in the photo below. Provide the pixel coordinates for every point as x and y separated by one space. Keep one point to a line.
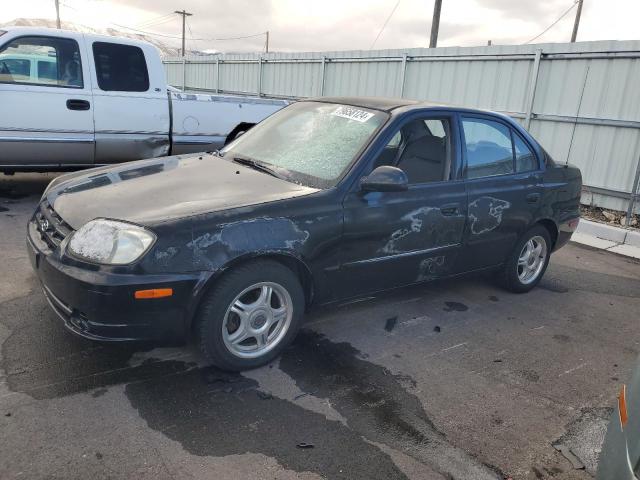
46 102
131 103
399 238
504 184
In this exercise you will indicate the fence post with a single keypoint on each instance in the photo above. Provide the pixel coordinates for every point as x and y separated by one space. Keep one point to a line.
218 74
635 192
403 74
532 88
184 73
260 76
324 62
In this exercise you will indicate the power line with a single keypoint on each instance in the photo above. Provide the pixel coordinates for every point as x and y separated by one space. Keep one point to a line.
155 20
154 34
385 24
554 23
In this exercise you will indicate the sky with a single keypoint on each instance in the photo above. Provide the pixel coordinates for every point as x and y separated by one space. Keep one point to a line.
322 25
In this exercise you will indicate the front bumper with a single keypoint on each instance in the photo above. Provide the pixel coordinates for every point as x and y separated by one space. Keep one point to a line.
100 305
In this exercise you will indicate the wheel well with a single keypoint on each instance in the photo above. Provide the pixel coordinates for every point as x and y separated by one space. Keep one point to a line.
297 266
551 228
241 127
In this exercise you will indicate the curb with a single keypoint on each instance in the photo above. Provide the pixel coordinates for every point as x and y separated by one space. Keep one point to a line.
607 237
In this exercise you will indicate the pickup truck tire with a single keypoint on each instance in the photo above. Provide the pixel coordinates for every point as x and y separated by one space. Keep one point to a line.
250 315
528 261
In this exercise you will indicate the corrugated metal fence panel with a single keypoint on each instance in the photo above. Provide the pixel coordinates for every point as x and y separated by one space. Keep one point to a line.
291 79
493 85
570 83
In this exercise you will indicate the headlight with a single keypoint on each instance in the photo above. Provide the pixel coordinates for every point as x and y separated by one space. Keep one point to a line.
110 242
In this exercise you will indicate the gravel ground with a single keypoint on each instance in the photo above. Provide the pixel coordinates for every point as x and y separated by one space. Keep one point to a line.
455 379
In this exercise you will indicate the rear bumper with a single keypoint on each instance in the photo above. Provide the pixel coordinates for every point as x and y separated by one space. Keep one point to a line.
100 305
565 231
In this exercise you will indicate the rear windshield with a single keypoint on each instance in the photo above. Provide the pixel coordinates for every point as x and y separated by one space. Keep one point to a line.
311 143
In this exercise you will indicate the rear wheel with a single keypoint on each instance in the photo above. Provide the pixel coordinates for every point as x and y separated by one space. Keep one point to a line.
528 261
250 315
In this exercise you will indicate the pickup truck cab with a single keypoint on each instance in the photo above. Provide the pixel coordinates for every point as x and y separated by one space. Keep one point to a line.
327 199
72 100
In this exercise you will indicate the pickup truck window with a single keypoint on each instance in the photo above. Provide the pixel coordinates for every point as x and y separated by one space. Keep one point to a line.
488 148
120 68
57 59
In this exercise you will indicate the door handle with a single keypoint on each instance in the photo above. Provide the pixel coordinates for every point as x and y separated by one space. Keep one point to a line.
76 104
450 209
533 198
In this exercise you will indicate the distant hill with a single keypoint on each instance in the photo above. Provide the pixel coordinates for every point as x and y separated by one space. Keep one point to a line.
165 50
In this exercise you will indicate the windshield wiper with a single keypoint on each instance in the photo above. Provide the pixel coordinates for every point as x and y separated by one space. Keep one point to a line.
257 165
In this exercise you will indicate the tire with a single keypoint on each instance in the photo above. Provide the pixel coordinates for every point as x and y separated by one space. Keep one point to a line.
267 326
513 276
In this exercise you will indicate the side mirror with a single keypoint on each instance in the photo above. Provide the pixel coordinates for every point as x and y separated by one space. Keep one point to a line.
385 179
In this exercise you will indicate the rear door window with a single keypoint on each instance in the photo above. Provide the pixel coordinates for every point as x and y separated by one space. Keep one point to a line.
488 148
526 160
60 55
120 68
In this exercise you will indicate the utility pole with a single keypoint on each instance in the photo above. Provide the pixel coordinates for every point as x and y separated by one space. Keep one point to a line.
266 47
576 23
57 14
184 14
435 24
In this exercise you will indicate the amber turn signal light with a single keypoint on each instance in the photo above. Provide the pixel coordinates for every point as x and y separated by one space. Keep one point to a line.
154 293
622 405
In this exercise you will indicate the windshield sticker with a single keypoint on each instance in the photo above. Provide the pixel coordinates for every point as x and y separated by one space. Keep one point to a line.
352 114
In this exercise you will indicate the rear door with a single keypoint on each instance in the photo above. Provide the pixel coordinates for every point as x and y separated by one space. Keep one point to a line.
504 184
46 102
131 103
399 238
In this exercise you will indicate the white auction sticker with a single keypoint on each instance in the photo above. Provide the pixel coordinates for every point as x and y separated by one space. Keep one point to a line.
352 114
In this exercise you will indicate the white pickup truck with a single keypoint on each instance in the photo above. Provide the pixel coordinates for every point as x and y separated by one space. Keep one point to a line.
73 100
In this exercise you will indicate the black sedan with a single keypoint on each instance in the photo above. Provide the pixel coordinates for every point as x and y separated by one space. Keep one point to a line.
327 199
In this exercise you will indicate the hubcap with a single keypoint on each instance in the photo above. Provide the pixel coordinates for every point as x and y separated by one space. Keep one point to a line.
531 259
257 320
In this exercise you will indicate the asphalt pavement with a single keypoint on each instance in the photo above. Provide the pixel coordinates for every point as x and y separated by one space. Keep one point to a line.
455 379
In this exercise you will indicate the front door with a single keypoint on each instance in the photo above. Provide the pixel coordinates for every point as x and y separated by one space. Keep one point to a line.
46 103
399 238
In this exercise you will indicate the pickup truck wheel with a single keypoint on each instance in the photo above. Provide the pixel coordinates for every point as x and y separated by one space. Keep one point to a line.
250 315
528 261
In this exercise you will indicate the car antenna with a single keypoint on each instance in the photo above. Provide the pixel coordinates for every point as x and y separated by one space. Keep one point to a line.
575 122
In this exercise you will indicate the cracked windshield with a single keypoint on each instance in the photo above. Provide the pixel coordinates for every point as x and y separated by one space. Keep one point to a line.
315 142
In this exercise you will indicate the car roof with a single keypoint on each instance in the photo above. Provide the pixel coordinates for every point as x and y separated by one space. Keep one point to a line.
387 104
375 103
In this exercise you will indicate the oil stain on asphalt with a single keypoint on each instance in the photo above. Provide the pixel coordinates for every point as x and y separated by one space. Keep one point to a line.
213 413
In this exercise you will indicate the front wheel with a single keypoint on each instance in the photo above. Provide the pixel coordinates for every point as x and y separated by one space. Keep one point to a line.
251 314
528 261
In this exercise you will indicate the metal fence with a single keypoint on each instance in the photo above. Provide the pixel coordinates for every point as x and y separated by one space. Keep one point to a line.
580 100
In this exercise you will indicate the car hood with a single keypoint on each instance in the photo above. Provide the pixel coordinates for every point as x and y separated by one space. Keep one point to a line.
151 191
